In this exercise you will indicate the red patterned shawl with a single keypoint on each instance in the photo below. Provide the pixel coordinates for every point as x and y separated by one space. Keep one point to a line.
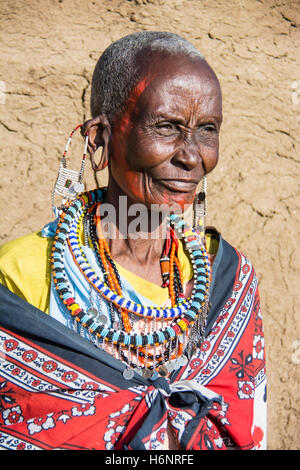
58 391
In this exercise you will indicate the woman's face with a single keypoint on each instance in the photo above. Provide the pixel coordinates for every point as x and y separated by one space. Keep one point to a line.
168 137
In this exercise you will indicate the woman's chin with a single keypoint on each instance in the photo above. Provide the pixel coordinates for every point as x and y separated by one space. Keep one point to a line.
176 203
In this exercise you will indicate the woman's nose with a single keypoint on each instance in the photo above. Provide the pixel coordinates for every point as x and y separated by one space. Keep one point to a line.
188 154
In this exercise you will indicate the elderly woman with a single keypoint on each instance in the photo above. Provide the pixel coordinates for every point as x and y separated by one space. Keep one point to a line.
153 338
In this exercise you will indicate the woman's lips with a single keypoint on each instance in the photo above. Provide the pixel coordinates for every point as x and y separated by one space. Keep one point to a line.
179 186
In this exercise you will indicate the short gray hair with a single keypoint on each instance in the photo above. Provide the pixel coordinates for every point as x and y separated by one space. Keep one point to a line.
117 71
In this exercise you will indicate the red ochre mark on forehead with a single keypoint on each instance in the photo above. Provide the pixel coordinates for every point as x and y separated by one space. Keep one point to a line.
125 120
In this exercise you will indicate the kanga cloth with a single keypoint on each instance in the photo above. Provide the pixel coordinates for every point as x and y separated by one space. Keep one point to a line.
58 391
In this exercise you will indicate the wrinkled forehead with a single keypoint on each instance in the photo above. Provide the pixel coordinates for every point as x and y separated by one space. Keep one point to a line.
160 69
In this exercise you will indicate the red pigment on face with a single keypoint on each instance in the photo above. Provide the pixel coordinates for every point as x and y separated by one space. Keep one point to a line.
179 199
123 127
125 122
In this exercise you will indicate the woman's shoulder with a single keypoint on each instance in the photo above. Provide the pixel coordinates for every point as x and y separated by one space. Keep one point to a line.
225 251
23 249
25 267
232 252
233 275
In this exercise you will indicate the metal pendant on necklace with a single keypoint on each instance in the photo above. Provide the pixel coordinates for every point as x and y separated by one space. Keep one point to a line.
93 312
128 373
163 371
102 319
147 373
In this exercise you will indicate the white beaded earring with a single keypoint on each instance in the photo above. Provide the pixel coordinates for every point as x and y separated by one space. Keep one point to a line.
69 182
200 205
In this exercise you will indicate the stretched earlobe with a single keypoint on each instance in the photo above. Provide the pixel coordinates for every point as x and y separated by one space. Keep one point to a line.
98 131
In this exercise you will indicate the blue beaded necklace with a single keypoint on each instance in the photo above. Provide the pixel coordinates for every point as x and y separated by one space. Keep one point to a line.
183 316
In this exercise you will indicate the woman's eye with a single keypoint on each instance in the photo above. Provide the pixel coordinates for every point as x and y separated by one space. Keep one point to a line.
209 128
165 127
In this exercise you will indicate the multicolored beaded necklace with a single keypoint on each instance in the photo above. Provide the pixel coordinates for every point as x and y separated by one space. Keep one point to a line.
162 348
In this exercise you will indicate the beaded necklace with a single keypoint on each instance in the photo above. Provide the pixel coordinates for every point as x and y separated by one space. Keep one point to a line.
139 351
109 269
117 300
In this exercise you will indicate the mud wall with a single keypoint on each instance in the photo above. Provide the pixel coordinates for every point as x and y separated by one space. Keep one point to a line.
48 51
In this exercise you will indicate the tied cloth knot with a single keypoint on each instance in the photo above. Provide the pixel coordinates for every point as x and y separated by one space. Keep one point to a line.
195 400
182 393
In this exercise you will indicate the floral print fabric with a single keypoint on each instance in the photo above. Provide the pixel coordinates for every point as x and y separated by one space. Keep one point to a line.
53 396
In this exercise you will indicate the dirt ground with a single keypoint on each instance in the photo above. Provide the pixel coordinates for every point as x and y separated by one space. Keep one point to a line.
48 51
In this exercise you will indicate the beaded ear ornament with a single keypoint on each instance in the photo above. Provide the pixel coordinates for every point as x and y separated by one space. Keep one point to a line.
69 182
200 210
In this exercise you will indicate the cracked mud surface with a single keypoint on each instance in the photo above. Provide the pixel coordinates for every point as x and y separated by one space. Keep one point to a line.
48 52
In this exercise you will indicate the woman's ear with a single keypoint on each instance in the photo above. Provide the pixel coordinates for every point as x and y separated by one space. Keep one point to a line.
98 131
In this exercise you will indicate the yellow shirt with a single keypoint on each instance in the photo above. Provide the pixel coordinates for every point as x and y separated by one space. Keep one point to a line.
25 268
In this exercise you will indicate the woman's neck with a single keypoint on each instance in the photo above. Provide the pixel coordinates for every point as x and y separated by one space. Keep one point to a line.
135 235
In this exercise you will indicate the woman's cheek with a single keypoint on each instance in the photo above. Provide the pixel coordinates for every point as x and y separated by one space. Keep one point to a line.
211 159
129 181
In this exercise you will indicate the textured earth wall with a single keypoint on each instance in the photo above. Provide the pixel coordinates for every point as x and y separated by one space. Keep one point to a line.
48 52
